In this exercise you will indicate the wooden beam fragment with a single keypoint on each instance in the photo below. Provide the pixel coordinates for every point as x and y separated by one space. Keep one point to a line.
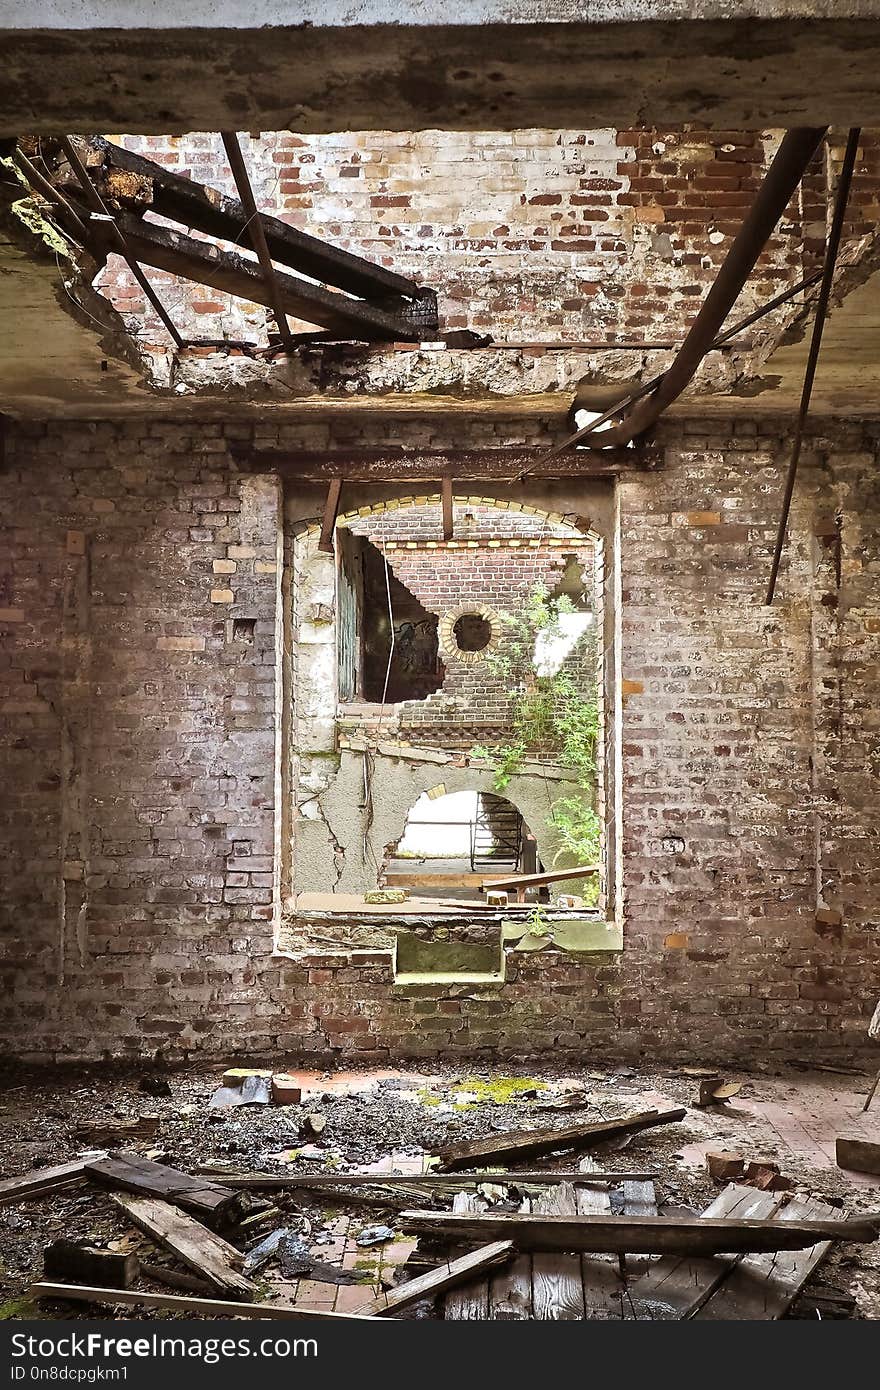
40 1180
207 1307
211 1258
528 1143
207 1200
68 1259
646 1235
183 200
206 264
271 1182
436 1281
861 1155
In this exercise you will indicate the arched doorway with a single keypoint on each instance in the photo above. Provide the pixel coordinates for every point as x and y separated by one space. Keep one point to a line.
452 840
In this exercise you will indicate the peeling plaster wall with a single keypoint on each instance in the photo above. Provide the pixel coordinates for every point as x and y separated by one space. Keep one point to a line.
746 753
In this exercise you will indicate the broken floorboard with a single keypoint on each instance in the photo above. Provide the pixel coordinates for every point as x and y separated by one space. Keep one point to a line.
676 1287
647 1235
210 1257
271 1182
208 1200
207 1307
436 1281
530 1143
763 1287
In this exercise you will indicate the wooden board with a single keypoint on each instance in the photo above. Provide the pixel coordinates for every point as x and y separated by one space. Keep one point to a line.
69 1259
469 1302
207 1307
763 1287
530 1176
528 1143
436 1281
602 1284
40 1180
557 1285
674 1287
647 1235
858 1154
210 1201
510 1291
212 1259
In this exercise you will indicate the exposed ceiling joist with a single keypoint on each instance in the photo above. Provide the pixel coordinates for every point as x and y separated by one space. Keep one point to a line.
465 465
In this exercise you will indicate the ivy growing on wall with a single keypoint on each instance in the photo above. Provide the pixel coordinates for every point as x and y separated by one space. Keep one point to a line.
551 715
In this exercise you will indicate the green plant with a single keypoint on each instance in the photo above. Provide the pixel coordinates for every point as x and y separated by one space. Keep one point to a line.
550 715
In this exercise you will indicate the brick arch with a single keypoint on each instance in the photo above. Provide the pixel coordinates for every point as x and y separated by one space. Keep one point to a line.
581 527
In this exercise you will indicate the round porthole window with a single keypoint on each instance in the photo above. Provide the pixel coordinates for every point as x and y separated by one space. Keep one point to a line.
469 634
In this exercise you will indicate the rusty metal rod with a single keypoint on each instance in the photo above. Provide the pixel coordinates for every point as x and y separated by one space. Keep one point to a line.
822 299
97 204
739 327
782 178
331 511
51 194
257 232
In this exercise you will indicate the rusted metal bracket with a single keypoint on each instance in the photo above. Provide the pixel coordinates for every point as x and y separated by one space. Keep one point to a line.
256 232
95 201
822 300
331 512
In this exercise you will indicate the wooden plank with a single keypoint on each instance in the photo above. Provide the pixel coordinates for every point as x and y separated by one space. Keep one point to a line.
510 1291
436 1281
600 1278
210 1201
674 1288
526 1144
271 1182
212 1259
859 1154
207 1307
647 1235
446 506
763 1287
183 200
40 1180
557 1285
470 1301
396 880
206 264
519 882
639 1199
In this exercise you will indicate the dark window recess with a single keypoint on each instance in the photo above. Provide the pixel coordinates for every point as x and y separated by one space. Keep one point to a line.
243 629
365 627
472 632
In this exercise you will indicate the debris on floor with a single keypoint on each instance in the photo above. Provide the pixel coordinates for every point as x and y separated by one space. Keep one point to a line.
233 1222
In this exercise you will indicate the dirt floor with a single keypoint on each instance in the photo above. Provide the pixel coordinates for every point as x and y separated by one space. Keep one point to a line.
392 1120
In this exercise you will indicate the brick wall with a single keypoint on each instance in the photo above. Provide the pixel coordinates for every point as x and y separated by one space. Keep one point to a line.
596 236
139 741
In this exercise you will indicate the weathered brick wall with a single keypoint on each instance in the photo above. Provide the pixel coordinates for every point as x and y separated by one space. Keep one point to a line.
139 736
585 236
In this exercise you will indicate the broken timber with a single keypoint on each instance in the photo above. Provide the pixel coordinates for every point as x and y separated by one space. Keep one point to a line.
272 1182
212 212
66 1259
446 1276
209 1201
524 1144
179 254
860 1155
646 1235
213 1259
394 465
41 1180
208 1307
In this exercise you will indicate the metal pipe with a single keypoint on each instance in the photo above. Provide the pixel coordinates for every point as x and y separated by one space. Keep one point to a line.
257 232
822 300
782 178
782 298
95 200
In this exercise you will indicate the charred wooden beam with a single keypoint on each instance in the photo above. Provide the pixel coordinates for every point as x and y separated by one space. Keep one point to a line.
206 264
472 465
256 231
194 205
446 505
116 236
